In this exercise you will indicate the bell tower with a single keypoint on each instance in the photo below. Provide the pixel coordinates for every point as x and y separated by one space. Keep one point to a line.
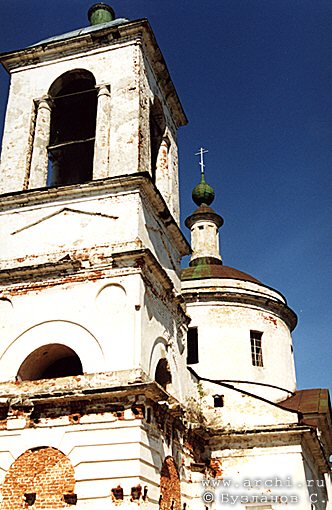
91 104
92 326
89 183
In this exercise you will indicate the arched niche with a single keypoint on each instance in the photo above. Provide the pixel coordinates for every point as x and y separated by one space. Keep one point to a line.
111 297
41 477
158 351
74 336
73 98
50 361
162 367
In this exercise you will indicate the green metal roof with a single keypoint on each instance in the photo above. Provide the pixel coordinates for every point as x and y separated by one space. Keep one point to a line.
81 31
205 269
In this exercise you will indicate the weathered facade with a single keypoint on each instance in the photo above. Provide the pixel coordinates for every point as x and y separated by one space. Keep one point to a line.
268 442
122 380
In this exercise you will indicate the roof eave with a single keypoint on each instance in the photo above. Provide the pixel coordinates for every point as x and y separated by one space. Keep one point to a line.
108 35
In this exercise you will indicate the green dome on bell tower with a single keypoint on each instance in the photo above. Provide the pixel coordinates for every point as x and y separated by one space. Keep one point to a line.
203 193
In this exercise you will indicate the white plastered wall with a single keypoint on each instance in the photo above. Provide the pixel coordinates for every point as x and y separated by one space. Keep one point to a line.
104 451
224 339
167 167
95 319
273 472
205 240
91 227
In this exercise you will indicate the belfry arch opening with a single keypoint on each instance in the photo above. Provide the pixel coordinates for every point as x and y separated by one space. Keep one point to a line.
163 374
50 361
73 125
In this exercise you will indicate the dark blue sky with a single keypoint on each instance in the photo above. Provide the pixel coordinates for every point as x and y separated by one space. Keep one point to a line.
255 80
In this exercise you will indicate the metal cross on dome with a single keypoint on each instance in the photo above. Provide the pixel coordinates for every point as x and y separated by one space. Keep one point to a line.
201 153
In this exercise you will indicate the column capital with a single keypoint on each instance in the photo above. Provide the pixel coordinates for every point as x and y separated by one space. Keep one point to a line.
45 102
103 89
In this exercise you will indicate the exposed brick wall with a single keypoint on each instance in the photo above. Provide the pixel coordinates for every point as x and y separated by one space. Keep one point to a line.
216 467
170 489
44 471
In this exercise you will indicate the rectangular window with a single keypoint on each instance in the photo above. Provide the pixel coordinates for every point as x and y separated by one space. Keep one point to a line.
192 346
256 348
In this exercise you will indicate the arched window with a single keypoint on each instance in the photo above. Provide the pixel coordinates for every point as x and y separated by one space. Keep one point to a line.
157 130
50 361
73 125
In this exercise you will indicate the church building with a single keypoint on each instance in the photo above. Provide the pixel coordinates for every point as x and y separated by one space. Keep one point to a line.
126 381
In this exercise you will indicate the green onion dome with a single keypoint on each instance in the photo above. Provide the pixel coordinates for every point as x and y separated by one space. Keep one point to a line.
203 193
100 13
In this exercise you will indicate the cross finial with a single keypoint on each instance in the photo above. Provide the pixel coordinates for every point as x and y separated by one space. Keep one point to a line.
201 153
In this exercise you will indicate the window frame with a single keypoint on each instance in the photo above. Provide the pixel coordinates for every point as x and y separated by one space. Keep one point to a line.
256 348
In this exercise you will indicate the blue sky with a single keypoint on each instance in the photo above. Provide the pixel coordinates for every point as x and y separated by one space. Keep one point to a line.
255 80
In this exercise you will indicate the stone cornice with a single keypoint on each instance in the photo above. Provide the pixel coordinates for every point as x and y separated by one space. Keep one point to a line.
204 213
101 39
76 268
88 386
246 298
30 278
274 435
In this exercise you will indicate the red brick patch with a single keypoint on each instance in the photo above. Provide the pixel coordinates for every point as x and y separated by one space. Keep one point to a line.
170 489
45 471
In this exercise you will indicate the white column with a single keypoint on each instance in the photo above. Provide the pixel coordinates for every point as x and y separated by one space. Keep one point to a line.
101 149
39 161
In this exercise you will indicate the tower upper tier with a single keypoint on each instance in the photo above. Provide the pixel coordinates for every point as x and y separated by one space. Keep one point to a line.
90 104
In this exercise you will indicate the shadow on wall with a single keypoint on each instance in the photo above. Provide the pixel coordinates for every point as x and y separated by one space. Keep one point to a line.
316 488
158 311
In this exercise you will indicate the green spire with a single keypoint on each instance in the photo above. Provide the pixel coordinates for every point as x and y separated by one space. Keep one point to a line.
203 193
